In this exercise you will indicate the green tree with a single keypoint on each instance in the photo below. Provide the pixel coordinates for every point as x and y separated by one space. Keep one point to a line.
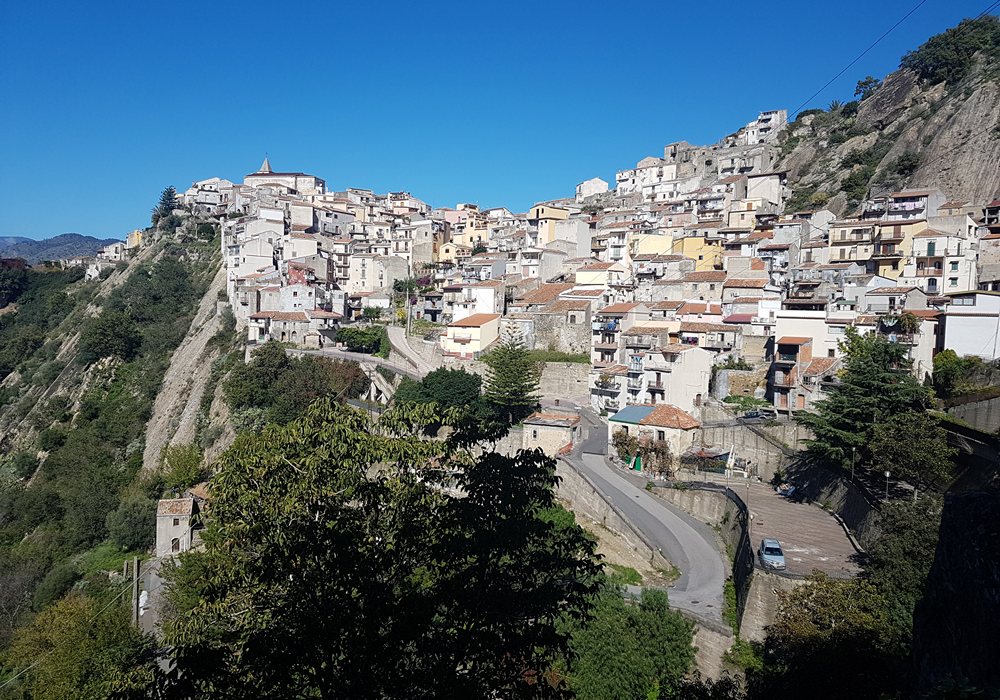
875 385
133 525
829 636
13 279
113 333
898 562
73 649
183 464
55 585
867 87
337 579
951 373
630 648
371 313
511 387
949 56
480 248
912 446
452 387
166 205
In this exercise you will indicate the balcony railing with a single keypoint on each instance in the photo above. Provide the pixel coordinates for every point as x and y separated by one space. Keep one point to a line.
606 346
635 382
655 385
638 341
611 404
929 272
787 357
598 326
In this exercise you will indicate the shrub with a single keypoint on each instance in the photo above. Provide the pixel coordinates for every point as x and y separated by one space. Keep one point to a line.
183 464
948 57
54 586
133 525
113 333
52 439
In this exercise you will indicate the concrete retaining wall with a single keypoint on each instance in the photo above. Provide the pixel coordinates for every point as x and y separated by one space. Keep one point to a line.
586 500
857 509
761 607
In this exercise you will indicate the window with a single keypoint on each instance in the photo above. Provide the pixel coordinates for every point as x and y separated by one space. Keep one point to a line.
952 281
175 545
954 267
701 257
694 287
177 521
534 434
831 353
712 287
895 266
661 435
572 318
295 294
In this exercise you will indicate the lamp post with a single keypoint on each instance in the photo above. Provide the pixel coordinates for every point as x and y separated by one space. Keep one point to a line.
854 461
887 486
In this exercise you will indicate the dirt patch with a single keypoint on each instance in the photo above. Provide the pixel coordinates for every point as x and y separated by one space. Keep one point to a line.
617 551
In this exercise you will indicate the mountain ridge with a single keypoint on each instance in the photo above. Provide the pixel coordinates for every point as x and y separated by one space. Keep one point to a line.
65 245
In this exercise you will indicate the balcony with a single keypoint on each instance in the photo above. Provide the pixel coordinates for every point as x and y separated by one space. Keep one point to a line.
611 404
638 341
635 368
598 326
887 254
790 357
635 382
608 386
606 346
655 386
929 272
902 338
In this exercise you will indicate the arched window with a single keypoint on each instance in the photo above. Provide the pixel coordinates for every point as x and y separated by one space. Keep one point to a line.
175 545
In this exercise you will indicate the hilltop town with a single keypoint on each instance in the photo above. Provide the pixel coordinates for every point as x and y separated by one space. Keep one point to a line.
690 261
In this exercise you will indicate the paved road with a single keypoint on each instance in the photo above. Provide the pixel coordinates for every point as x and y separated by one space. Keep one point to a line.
399 342
361 357
688 544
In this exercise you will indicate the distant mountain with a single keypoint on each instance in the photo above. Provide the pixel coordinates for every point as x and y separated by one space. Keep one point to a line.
65 246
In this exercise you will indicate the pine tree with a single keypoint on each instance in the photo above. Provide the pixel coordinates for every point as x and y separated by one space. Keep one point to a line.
511 387
168 202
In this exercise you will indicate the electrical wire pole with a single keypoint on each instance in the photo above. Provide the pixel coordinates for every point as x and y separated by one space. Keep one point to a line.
135 590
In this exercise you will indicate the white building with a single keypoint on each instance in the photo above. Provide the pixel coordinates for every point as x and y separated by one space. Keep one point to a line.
972 324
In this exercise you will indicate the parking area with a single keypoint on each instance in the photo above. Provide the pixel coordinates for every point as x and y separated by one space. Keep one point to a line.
811 537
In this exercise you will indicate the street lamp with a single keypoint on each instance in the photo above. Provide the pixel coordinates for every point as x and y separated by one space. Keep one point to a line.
886 486
854 461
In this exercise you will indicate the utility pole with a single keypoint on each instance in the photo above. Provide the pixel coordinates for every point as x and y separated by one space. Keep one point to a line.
135 590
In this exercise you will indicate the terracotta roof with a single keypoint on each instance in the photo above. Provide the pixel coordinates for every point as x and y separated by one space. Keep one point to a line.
545 293
815 244
707 327
486 283
474 321
175 506
614 369
666 305
319 313
556 420
667 416
298 316
914 193
706 276
927 233
757 264
563 305
598 266
820 365
656 282
738 318
675 348
646 329
745 300
892 290
617 309
731 178
746 284
836 266
584 292
794 340
700 307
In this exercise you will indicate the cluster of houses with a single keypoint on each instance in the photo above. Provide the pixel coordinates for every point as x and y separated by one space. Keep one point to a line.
687 262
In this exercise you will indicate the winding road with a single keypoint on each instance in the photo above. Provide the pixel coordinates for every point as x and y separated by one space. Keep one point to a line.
688 543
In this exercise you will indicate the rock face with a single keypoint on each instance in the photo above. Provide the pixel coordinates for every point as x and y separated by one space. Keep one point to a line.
955 131
956 624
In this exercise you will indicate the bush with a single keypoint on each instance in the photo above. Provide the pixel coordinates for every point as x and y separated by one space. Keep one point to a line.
55 585
105 273
52 439
133 526
183 464
23 464
113 333
948 57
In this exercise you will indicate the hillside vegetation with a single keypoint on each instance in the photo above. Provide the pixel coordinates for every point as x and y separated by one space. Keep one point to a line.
933 123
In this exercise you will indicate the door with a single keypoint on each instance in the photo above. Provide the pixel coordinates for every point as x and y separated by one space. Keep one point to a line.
801 401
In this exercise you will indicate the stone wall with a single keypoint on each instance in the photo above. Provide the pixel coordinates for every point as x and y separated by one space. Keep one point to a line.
554 332
559 379
767 455
981 415
761 606
585 499
740 382
757 348
857 509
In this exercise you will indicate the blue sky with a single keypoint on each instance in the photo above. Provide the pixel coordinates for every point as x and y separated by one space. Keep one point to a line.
502 104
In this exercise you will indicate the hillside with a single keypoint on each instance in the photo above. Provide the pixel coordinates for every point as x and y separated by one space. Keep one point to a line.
66 245
933 123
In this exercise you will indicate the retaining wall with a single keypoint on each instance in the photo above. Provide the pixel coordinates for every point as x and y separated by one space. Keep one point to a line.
856 508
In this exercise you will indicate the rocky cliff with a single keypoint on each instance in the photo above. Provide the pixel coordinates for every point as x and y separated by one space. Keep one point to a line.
908 132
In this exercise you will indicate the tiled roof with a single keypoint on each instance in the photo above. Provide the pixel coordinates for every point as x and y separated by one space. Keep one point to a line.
706 276
175 506
618 308
667 416
474 321
820 365
707 327
666 305
545 293
556 420
892 290
597 266
738 318
563 305
794 340
700 307
295 316
746 284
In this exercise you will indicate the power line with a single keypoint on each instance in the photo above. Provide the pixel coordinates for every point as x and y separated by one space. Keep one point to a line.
859 57
96 615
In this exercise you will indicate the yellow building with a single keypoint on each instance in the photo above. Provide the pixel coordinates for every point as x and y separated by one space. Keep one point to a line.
893 244
134 239
655 243
706 253
451 252
470 336
851 240
602 274
544 217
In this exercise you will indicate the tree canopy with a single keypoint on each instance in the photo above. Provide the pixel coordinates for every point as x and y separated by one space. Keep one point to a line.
336 567
949 56
511 387
875 386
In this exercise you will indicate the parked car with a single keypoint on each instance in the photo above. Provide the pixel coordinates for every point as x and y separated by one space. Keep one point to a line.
754 416
771 556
